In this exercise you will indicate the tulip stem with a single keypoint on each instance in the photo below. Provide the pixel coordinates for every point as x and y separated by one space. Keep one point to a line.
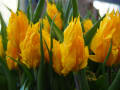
75 8
83 80
115 84
76 80
80 80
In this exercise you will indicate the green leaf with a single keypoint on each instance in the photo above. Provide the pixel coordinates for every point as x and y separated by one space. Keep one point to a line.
90 34
38 11
41 72
58 33
29 10
116 83
3 82
75 8
18 5
83 80
3 33
102 82
51 71
67 12
51 41
10 77
59 5
24 69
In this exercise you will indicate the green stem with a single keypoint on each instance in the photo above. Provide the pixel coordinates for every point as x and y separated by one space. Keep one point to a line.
38 11
83 80
75 8
30 10
76 80
41 71
116 83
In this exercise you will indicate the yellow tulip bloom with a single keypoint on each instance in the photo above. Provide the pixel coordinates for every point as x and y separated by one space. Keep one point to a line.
52 12
74 54
1 47
17 27
30 47
109 30
87 25
13 52
16 31
56 52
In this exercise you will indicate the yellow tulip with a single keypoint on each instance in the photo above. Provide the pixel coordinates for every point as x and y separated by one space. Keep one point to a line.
109 30
87 25
17 27
52 12
30 47
56 52
74 54
16 31
13 52
1 47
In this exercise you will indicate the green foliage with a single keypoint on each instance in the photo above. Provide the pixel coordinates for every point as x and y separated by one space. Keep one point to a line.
41 71
44 77
3 32
9 75
75 8
29 11
90 34
115 84
58 33
38 11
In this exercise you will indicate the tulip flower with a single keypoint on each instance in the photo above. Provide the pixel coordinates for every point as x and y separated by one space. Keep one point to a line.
16 30
52 11
74 54
30 47
87 23
108 31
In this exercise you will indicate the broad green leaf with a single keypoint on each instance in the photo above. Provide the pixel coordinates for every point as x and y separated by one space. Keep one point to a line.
3 82
30 15
9 76
24 69
83 80
3 33
59 6
75 8
58 33
41 71
116 83
18 5
67 12
51 40
38 11
90 34
102 82
76 80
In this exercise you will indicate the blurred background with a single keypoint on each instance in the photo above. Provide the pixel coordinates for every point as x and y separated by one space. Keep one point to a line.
91 7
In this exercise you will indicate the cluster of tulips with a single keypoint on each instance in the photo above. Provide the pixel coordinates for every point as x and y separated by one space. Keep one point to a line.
65 48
